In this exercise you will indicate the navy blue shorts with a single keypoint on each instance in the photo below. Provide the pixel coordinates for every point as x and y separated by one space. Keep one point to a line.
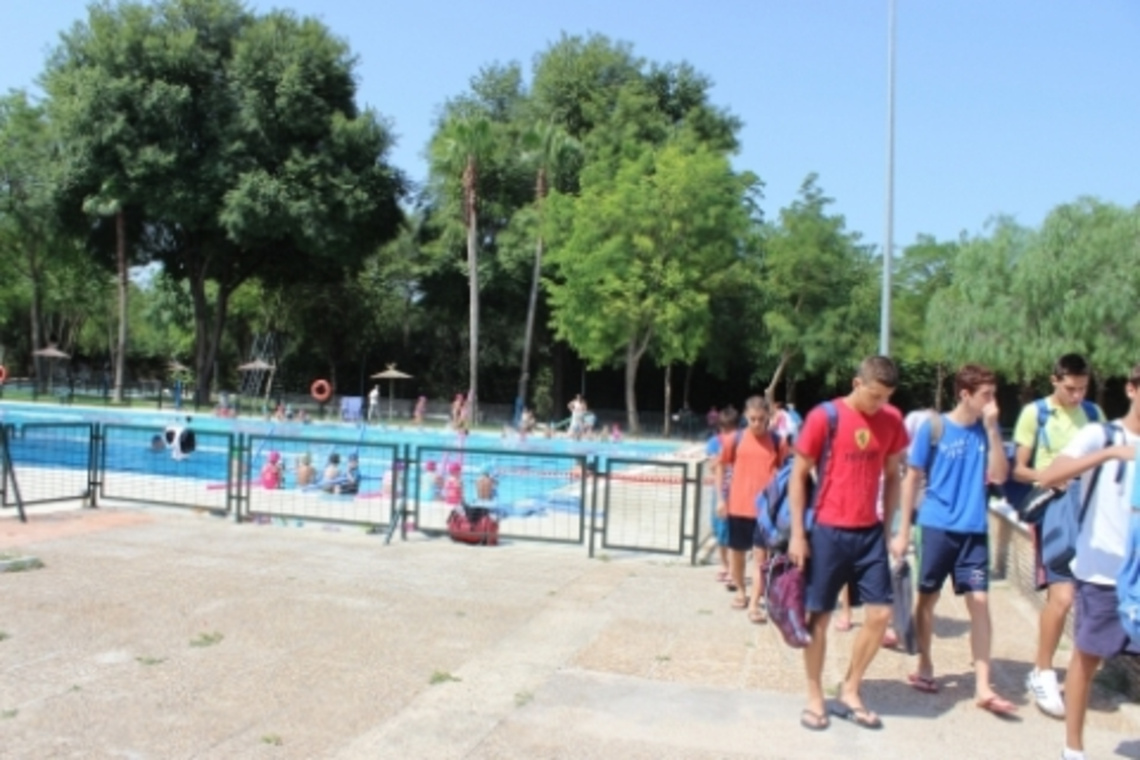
963 556
1042 574
740 530
852 557
1099 631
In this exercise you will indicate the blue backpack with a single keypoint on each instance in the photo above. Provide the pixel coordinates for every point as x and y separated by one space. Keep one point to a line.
773 513
1065 513
1128 580
1014 491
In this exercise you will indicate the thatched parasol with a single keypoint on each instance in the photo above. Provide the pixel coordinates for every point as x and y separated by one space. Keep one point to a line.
391 375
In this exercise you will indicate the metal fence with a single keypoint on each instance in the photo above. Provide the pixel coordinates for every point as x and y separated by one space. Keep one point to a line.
603 503
313 481
135 466
55 462
645 506
539 496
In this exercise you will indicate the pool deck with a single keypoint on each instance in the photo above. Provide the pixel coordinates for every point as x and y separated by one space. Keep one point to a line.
155 633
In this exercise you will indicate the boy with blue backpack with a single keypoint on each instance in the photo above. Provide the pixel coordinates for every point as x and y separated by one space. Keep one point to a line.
862 438
1043 429
1107 453
955 455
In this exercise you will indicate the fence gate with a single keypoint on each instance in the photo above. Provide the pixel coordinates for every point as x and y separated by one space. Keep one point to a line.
135 467
644 506
55 462
538 496
323 480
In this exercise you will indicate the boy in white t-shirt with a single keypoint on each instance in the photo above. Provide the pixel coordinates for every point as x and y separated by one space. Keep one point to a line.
1100 549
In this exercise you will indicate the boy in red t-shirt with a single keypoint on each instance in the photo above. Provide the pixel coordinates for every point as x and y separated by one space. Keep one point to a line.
754 455
847 545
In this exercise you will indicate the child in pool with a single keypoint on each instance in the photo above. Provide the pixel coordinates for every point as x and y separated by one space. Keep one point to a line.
350 483
306 473
273 473
453 485
332 473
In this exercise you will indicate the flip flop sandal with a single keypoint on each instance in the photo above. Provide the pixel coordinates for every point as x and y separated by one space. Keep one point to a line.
1000 707
843 625
860 716
757 616
925 684
739 604
813 721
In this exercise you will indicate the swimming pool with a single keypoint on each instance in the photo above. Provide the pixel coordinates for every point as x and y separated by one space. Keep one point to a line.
532 475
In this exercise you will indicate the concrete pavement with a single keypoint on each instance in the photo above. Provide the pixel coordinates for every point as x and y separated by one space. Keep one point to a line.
152 633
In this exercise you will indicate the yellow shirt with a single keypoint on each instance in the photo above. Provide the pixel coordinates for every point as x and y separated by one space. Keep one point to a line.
1060 428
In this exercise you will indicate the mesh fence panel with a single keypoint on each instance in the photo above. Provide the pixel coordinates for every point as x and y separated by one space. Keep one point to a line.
537 495
137 465
53 461
644 506
337 481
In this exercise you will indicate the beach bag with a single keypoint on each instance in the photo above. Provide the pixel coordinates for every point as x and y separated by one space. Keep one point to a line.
902 611
773 513
1063 516
473 525
784 596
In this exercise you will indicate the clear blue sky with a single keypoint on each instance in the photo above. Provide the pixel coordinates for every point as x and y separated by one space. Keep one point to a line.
1003 106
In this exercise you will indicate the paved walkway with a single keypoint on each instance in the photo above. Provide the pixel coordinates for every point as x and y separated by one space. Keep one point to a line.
155 634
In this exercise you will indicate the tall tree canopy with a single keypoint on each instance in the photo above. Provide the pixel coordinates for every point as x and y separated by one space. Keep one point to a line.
814 290
235 136
637 255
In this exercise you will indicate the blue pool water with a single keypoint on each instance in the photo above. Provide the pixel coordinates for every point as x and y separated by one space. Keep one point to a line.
534 474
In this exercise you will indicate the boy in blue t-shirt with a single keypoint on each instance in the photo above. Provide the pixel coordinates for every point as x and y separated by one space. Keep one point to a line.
956 454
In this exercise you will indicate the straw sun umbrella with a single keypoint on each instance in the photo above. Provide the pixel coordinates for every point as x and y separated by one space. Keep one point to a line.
51 353
260 365
391 375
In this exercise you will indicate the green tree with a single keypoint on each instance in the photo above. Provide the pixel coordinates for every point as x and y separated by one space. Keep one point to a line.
924 269
1079 280
818 305
548 149
459 150
633 256
31 240
978 317
238 138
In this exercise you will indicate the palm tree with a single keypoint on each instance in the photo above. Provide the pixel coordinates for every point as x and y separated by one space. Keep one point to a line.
463 145
547 147
109 204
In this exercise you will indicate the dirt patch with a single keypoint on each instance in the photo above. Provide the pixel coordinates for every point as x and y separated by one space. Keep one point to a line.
55 525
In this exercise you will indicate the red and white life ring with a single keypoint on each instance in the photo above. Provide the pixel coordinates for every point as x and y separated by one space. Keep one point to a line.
321 390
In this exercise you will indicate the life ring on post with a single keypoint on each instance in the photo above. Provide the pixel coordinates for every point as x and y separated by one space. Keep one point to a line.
320 390
3 374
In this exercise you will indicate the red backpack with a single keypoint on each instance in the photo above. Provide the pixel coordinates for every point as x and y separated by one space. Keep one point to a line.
473 525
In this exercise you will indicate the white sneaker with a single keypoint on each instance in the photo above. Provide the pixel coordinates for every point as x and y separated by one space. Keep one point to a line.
1043 684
